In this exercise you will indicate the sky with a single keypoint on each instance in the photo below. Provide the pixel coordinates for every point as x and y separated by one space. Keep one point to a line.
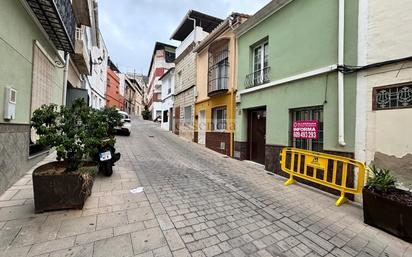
130 28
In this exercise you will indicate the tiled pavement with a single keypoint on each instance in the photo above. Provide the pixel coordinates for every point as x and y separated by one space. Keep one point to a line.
196 203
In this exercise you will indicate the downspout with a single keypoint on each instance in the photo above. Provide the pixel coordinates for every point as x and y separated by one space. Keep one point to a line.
194 27
232 97
341 92
65 76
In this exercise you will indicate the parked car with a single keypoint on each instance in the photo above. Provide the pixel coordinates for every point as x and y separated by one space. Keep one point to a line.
125 129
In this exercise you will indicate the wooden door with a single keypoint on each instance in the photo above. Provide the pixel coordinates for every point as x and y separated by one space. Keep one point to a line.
177 120
257 135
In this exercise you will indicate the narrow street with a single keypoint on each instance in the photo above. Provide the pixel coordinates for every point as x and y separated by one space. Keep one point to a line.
195 203
222 206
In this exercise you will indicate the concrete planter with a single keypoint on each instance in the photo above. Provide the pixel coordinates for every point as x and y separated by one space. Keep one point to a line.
55 189
391 212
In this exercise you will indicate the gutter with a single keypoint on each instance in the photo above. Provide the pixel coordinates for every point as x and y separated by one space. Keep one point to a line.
341 82
65 77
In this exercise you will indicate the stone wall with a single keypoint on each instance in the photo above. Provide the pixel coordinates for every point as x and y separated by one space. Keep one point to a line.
185 90
14 154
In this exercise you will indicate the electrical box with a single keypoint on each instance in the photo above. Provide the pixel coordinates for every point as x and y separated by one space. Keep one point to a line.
10 96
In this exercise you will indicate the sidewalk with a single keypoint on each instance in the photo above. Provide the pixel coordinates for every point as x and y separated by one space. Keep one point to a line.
113 222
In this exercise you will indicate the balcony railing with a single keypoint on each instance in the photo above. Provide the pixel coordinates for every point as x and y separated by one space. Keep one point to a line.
218 72
81 55
58 20
257 78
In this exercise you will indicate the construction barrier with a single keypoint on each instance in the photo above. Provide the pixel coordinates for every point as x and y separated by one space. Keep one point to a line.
343 174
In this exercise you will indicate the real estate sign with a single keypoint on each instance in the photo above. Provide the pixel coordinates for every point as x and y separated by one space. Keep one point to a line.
306 129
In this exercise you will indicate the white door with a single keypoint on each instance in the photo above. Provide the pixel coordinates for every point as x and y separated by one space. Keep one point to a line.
202 127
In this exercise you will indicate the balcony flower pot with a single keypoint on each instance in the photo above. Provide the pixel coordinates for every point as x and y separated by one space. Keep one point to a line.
387 207
55 189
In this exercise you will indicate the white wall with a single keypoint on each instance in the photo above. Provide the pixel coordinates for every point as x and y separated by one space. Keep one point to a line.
385 33
167 98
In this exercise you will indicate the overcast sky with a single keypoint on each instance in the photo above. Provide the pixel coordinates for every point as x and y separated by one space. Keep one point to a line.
131 27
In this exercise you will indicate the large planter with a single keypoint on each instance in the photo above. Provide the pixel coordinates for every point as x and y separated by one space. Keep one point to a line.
390 211
55 189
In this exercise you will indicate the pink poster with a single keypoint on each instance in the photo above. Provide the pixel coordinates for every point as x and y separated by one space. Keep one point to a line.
306 129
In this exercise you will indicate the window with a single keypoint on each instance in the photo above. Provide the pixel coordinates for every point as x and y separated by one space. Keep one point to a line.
165 116
179 79
314 113
158 114
392 97
218 66
219 119
260 69
188 116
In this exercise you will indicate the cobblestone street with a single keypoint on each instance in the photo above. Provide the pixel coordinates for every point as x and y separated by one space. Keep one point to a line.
195 203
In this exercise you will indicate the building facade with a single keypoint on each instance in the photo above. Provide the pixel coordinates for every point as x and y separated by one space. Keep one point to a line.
192 30
113 97
136 100
162 60
289 71
32 65
98 78
384 91
216 86
168 90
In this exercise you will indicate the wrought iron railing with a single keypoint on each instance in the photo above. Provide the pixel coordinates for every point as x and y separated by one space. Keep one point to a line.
58 20
218 71
257 78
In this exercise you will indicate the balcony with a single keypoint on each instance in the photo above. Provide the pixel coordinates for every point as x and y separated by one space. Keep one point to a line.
195 36
257 78
218 77
81 56
58 20
82 12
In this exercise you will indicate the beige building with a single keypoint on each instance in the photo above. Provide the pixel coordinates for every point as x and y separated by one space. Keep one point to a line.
192 30
216 87
384 92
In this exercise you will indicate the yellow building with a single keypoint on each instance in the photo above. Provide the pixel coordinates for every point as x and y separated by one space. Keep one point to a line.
216 87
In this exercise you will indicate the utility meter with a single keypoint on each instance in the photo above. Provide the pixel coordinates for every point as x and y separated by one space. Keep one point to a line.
10 96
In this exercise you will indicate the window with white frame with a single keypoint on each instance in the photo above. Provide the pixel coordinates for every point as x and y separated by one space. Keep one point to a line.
188 116
219 119
261 63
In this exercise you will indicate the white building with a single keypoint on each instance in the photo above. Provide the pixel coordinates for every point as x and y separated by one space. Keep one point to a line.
168 89
162 60
384 92
98 78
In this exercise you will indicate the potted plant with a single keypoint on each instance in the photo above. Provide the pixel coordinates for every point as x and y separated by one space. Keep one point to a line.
74 132
385 206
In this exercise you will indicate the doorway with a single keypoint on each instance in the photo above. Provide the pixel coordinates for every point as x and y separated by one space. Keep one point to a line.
257 135
170 119
201 127
177 120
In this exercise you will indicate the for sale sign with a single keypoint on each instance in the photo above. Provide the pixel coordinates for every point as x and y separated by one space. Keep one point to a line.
306 129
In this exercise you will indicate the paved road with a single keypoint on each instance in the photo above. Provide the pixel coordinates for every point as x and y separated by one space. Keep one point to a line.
213 205
196 203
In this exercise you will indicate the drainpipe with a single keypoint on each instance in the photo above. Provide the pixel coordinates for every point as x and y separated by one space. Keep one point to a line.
194 27
65 76
341 92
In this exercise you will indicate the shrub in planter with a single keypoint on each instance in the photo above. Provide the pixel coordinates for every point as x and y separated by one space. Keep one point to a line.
146 114
74 132
386 207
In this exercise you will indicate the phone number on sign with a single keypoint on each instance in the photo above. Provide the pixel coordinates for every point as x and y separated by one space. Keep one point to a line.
305 135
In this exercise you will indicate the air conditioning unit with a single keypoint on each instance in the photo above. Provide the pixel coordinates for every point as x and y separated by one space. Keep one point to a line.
10 96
